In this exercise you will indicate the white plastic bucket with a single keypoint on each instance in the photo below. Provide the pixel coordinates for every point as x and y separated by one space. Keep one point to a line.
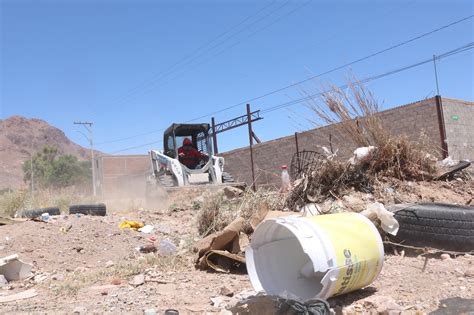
319 256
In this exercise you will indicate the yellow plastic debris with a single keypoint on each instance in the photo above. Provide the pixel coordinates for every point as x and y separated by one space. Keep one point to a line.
134 225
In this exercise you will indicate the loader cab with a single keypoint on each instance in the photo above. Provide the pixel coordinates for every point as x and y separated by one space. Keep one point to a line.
176 133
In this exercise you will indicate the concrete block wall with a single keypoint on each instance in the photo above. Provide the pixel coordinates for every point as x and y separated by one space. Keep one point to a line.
459 125
123 175
411 120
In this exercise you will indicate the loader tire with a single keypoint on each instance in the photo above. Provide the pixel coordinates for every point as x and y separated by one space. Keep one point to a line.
227 178
34 213
437 225
98 209
167 180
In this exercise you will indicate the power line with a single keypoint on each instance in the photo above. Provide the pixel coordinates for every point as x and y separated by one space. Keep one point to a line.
310 78
336 68
461 49
155 78
373 78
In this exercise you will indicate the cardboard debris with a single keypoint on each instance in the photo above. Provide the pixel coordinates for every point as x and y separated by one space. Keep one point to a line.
221 260
18 296
8 221
264 213
227 239
13 268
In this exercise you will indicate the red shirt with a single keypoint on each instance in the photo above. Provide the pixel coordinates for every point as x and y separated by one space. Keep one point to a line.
190 158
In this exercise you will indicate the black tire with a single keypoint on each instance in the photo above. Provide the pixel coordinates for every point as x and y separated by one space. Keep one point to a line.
451 171
227 178
437 225
167 180
35 213
98 209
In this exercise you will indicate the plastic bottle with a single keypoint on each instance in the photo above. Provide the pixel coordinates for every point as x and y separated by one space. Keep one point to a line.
285 179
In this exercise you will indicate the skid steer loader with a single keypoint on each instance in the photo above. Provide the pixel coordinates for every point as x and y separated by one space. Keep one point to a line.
167 170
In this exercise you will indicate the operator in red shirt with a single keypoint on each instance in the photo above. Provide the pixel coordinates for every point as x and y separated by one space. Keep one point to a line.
188 155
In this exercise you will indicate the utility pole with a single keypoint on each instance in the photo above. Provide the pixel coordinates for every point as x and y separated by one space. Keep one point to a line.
88 126
436 74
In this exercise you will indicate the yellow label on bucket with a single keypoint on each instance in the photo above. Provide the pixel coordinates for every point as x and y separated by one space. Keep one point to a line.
357 249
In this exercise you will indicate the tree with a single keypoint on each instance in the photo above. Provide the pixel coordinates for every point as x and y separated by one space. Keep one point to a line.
51 170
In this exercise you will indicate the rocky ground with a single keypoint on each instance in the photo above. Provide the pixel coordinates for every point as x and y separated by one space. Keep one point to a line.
95 267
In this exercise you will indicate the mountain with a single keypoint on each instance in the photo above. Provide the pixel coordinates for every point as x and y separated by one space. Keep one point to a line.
20 137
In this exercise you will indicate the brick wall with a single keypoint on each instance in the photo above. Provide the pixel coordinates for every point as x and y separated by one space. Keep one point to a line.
459 125
123 175
411 120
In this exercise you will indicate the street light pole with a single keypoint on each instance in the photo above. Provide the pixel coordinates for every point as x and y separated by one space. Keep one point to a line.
88 126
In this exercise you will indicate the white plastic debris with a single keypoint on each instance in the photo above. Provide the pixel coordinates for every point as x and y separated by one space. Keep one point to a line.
388 222
147 229
447 162
361 155
13 268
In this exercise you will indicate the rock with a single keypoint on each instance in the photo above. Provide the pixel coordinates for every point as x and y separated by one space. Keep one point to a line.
3 281
445 257
232 192
109 264
104 292
469 273
79 310
226 291
218 301
382 304
150 311
138 280
116 281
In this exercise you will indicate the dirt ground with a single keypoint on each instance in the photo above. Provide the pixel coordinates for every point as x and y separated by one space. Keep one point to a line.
92 268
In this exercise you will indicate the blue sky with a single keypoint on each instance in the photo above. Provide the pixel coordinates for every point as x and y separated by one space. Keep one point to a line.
134 67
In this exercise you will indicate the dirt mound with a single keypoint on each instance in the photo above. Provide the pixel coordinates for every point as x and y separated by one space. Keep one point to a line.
19 137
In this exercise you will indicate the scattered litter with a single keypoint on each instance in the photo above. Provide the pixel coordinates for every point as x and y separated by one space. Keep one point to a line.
273 304
362 155
377 210
13 268
150 248
18 296
3 281
221 260
218 301
66 228
133 225
167 247
147 229
149 311
45 217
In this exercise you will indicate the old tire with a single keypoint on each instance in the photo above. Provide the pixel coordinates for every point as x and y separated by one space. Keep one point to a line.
34 213
437 225
227 178
98 209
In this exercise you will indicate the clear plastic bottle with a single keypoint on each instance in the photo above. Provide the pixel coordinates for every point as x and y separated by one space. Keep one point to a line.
285 179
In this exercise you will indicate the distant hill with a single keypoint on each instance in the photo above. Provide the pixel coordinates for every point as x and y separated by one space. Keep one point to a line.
20 136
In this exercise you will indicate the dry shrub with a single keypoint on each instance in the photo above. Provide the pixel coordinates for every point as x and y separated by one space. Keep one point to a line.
215 214
218 211
354 112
